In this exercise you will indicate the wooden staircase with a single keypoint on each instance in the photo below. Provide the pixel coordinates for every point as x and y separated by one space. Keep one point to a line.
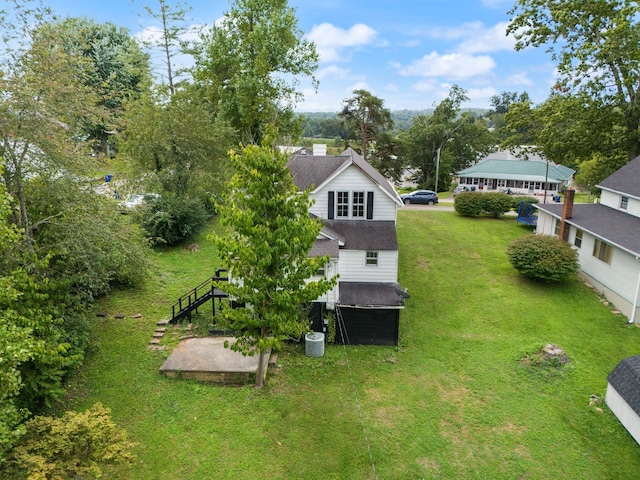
195 298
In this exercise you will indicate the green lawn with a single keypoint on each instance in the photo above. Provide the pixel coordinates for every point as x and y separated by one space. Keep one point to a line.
453 400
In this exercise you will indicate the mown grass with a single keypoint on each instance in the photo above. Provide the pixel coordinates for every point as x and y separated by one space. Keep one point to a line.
452 400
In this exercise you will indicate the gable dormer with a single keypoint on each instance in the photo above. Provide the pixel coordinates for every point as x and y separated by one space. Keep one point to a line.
345 187
621 190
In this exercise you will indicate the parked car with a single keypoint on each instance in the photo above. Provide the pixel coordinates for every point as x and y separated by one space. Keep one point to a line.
425 197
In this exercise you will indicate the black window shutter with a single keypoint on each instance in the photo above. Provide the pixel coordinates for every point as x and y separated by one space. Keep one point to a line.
369 205
332 197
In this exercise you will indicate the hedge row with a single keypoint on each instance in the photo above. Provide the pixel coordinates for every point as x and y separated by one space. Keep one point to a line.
472 204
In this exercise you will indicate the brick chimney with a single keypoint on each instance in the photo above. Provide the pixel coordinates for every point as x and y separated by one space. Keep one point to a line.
567 211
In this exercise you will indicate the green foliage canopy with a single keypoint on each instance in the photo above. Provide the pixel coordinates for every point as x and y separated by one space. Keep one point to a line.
250 64
596 46
270 234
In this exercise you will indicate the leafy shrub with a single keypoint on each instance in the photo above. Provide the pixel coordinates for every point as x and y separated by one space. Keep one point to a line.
543 257
472 204
77 445
170 220
468 204
495 204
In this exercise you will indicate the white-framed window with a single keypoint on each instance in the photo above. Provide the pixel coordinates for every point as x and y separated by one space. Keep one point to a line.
357 208
556 228
342 204
371 259
624 202
602 251
578 240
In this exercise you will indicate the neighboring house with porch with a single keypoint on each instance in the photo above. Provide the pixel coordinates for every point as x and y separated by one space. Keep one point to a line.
357 206
606 235
506 170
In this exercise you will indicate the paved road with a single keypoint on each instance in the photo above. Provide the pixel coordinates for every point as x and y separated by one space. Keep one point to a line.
443 206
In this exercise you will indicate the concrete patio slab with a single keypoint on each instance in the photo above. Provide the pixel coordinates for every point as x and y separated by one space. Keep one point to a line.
205 359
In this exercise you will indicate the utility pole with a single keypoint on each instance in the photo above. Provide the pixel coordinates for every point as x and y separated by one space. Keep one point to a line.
437 167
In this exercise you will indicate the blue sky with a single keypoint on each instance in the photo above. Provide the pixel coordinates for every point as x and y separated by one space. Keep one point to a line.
406 52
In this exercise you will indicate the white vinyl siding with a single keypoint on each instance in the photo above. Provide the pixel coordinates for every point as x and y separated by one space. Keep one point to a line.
352 267
353 180
615 200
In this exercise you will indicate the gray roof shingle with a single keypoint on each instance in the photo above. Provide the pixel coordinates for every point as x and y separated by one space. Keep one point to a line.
613 226
370 294
313 170
325 246
625 180
364 234
625 378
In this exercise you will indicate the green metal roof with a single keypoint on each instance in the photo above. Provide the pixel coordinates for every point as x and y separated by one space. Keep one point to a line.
518 170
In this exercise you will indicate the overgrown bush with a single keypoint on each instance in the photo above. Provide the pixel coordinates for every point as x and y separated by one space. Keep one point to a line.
495 204
543 257
77 445
471 204
171 220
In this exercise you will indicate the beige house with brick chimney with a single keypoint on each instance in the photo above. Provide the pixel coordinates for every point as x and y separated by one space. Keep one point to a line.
606 236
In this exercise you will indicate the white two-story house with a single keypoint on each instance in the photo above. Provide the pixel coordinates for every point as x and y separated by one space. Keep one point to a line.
606 235
358 208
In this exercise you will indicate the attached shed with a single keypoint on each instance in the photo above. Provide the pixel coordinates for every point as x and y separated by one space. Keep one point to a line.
623 394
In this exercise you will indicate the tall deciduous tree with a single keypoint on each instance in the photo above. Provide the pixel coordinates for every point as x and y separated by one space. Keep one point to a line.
455 140
596 46
251 63
365 118
109 61
270 234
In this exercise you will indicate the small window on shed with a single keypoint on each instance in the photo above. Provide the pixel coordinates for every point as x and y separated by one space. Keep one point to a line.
624 202
371 259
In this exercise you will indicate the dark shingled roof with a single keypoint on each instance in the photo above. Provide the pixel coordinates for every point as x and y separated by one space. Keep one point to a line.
325 246
625 378
612 226
364 234
314 170
368 294
626 180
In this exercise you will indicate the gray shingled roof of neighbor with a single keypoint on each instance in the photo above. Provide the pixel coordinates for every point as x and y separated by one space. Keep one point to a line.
613 226
518 170
370 294
626 180
313 170
364 234
625 378
325 246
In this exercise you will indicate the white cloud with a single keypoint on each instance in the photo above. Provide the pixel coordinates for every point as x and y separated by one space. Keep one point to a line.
519 79
359 86
331 40
452 65
392 88
485 93
488 40
476 37
153 34
332 71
